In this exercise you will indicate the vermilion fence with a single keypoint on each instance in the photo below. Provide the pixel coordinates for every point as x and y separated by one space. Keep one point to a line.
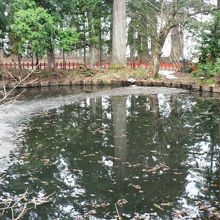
74 65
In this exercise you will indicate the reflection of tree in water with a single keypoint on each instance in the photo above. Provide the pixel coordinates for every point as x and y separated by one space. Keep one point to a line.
209 158
100 150
152 145
169 139
119 132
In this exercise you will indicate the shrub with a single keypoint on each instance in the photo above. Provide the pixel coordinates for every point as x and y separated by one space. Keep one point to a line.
205 70
208 69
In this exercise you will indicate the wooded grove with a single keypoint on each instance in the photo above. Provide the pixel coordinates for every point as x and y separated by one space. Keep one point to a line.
95 31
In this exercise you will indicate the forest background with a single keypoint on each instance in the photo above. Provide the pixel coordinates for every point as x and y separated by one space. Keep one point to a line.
96 31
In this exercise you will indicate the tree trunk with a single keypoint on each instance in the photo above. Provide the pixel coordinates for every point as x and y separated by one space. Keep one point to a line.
131 36
84 47
162 35
145 50
156 61
32 61
153 35
100 45
64 58
84 41
37 61
19 61
50 60
176 43
132 51
111 40
100 37
93 54
138 46
119 32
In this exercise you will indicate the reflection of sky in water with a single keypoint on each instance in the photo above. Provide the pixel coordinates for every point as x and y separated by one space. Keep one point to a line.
164 105
196 182
12 115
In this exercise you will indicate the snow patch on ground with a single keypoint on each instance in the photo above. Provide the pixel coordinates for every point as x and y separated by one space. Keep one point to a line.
169 74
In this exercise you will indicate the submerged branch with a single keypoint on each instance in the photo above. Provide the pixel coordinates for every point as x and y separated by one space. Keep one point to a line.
19 205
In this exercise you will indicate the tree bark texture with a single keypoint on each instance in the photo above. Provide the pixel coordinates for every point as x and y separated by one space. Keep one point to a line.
131 43
51 60
158 49
144 56
176 43
119 32
93 54
19 61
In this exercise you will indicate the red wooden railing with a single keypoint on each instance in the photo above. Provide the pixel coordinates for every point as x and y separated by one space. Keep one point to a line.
74 65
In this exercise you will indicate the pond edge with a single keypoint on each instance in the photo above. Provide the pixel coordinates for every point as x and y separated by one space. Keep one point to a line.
115 82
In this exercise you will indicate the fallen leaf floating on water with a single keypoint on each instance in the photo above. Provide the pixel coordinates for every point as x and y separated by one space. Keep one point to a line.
213 212
76 171
181 213
99 130
175 173
88 155
145 216
133 165
137 187
166 204
102 205
122 202
204 207
215 185
91 212
156 169
114 158
158 207
46 161
128 216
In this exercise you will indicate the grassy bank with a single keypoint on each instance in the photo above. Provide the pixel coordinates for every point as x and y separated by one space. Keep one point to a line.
82 73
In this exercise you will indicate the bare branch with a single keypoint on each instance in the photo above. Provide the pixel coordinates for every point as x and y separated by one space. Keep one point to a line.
21 205
7 94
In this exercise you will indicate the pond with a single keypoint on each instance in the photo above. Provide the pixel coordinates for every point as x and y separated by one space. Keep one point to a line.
121 153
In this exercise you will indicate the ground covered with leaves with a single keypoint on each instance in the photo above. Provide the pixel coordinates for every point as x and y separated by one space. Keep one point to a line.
84 73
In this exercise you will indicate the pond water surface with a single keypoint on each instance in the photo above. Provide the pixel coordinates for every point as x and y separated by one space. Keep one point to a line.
137 153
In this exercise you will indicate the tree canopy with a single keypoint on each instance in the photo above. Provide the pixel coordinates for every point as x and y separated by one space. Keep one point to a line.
92 28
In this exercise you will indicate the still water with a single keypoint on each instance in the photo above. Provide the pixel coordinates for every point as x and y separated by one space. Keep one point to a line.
129 153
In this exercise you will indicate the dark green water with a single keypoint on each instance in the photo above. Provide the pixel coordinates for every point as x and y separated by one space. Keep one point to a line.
149 156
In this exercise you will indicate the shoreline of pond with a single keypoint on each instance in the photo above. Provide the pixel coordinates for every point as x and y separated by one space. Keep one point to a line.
191 86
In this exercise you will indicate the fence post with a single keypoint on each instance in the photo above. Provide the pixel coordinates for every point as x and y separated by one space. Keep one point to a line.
135 65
